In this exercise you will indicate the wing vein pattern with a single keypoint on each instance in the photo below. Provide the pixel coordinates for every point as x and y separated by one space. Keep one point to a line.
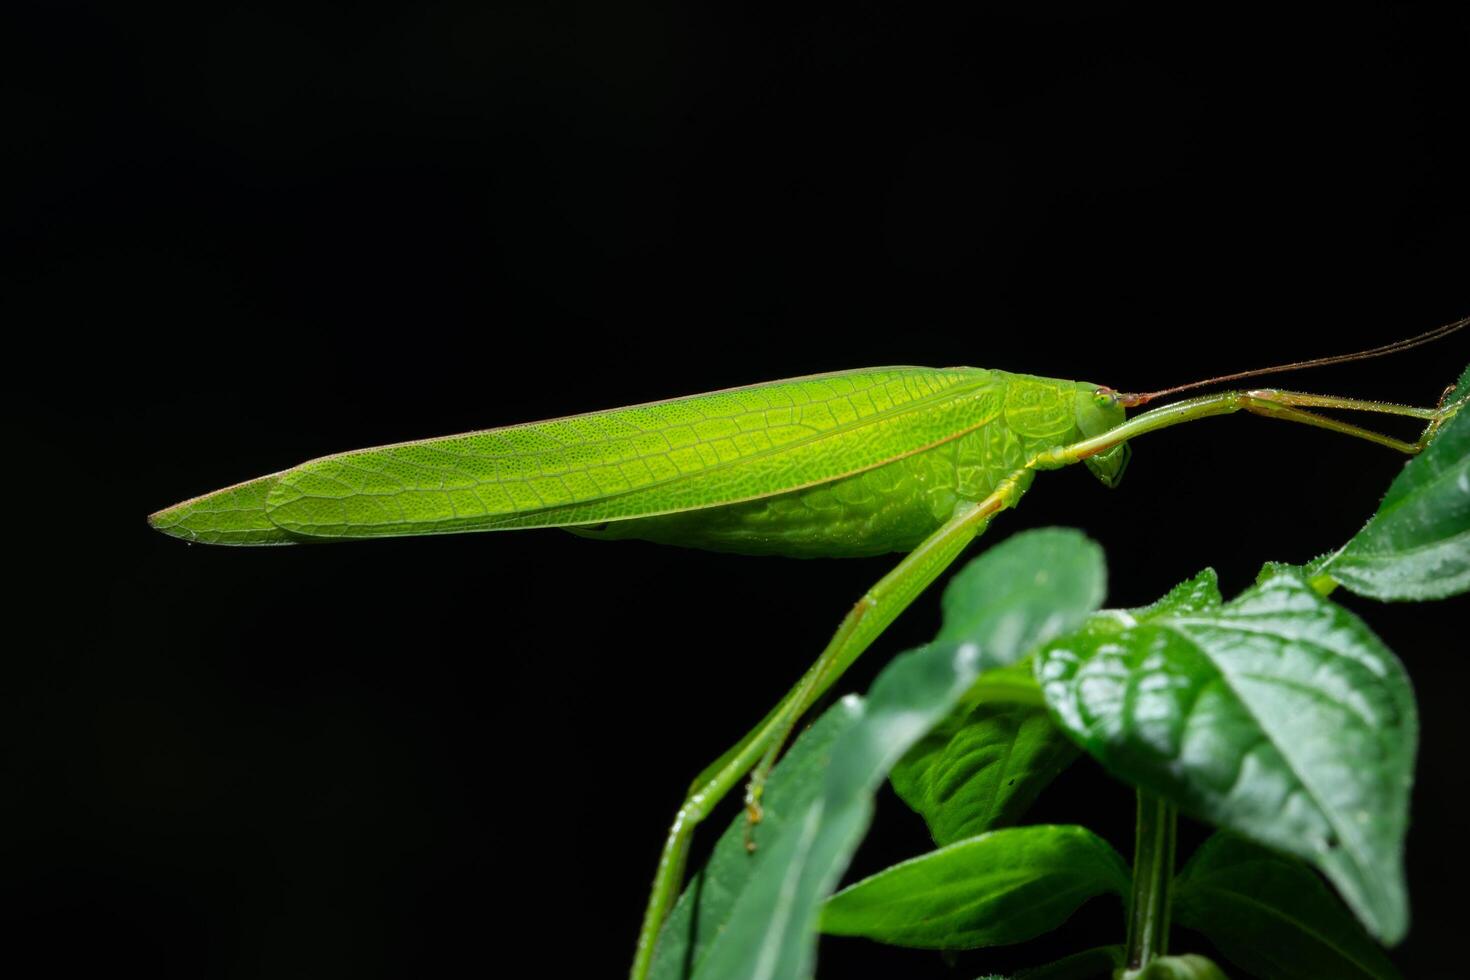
662 458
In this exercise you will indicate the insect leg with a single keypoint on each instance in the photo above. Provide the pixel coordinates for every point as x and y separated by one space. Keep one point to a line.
1278 404
1269 401
1270 407
1306 400
879 607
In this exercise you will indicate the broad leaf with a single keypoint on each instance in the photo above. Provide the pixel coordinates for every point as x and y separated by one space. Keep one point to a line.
1272 915
982 768
1417 546
703 909
1189 967
1279 716
1006 886
770 929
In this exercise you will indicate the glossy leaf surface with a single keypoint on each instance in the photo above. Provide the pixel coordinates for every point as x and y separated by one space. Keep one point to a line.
1272 915
1417 545
1006 886
1278 715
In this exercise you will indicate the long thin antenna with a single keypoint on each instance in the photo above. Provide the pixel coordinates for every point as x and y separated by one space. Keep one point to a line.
1429 336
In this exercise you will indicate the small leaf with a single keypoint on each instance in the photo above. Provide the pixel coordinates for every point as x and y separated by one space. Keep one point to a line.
1417 546
1272 915
703 909
1279 716
1188 967
1006 886
982 768
769 932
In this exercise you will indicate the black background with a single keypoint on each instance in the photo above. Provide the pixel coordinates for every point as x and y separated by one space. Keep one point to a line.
237 236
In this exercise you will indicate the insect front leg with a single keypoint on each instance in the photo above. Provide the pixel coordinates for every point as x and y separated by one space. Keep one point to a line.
1292 406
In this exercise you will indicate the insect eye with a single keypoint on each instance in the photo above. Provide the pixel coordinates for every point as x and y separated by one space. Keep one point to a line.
1105 397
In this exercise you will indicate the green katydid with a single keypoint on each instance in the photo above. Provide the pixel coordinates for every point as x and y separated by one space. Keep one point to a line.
906 459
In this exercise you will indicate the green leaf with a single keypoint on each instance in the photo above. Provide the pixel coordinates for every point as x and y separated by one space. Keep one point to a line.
769 930
1006 886
1279 716
1272 915
704 907
986 763
981 768
1189 967
1012 684
1030 583
1417 546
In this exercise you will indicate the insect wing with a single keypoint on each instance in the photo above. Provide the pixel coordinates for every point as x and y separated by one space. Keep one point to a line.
664 457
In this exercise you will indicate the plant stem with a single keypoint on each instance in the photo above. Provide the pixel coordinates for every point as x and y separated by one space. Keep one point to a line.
1153 874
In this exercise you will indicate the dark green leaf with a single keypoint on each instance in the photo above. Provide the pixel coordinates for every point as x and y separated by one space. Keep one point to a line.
1188 967
705 905
769 932
1279 716
1417 546
1272 915
1006 886
982 768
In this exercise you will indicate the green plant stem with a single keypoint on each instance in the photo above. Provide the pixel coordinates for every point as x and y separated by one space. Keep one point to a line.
1153 873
